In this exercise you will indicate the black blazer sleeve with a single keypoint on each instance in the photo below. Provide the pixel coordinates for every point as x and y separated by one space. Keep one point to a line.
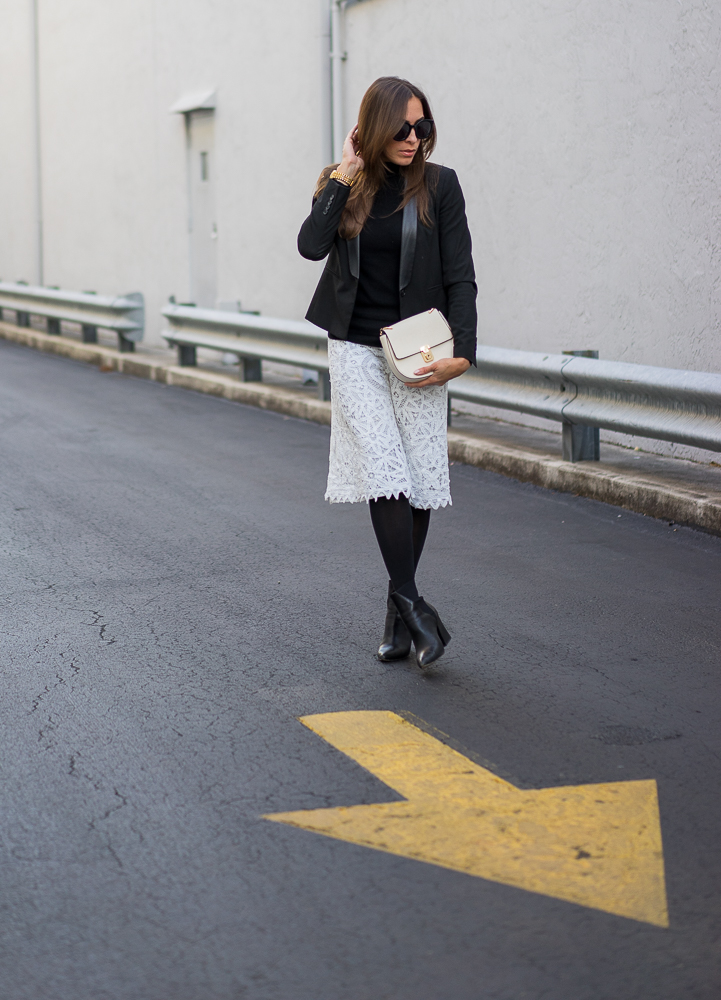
318 232
459 279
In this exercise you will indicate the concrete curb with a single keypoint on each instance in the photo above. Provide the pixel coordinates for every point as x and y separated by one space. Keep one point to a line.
600 481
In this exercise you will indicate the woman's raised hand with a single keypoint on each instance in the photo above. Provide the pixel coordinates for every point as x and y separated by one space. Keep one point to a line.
352 161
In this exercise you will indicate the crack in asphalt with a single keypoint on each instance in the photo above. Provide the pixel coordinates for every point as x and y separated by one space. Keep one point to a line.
93 825
101 628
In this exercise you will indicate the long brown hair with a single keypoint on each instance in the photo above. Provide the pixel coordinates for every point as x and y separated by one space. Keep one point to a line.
382 113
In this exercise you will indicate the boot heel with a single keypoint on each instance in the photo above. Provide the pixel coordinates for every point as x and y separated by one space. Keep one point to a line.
442 630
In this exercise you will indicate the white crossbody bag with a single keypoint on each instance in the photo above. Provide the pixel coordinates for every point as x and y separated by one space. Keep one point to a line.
416 342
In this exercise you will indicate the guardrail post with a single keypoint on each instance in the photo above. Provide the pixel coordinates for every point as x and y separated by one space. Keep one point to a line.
580 443
125 345
136 316
88 332
187 356
53 326
324 386
251 369
22 318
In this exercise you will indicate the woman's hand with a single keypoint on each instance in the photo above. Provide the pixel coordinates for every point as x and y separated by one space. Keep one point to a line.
352 161
441 371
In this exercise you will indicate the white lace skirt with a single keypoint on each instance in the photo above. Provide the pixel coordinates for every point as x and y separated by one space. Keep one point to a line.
386 438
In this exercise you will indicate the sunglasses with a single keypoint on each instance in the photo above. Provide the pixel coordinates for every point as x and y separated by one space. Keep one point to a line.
423 128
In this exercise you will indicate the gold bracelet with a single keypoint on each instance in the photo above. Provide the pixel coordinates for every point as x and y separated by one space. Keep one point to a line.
337 175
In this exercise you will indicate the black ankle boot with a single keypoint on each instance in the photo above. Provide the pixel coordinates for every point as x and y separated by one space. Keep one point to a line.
396 643
429 634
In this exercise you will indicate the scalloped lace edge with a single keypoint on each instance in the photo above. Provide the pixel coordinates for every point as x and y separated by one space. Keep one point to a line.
363 498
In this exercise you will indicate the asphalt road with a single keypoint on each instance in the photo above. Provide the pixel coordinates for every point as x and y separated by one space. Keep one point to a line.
175 594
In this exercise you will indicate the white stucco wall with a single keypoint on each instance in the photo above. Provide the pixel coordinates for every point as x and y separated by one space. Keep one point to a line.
585 135
17 156
114 160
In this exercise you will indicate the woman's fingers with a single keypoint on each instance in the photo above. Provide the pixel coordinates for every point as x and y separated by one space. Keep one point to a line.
432 380
444 370
435 375
350 142
439 373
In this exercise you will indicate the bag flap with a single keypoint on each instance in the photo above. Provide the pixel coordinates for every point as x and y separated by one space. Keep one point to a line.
408 336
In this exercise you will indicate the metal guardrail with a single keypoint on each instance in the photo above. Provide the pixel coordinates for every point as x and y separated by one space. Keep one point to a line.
251 338
124 314
581 393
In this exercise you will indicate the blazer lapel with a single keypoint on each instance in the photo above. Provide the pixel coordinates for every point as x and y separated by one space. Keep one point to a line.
408 246
354 256
408 242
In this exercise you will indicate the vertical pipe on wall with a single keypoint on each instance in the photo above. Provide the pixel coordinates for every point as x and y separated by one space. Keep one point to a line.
336 80
39 247
338 56
189 184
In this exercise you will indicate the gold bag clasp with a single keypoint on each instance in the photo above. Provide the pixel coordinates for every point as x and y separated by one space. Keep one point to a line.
426 353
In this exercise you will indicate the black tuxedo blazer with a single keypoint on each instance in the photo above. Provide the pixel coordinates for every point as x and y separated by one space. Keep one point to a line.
436 264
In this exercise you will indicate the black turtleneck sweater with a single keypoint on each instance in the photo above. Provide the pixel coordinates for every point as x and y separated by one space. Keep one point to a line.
377 301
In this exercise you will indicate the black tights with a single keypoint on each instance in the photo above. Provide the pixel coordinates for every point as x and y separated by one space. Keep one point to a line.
401 532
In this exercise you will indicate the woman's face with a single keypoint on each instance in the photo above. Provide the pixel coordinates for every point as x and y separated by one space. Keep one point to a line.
401 153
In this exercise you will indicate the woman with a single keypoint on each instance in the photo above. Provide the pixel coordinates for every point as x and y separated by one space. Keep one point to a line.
395 233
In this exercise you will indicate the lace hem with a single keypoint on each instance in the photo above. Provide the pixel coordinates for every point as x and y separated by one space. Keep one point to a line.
429 505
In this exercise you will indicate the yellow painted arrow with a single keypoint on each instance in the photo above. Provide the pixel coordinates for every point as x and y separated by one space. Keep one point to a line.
596 845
